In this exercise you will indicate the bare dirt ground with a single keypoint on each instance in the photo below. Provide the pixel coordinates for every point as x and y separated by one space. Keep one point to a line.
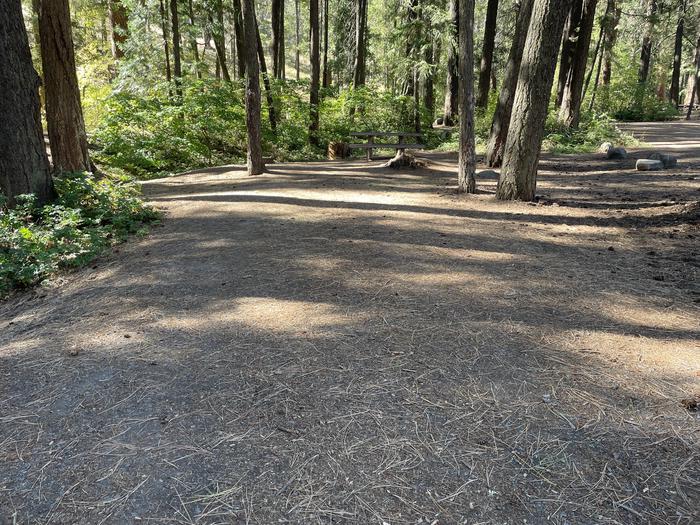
341 343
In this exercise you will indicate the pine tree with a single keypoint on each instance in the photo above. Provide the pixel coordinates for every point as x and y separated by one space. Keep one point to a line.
64 113
518 178
24 166
466 180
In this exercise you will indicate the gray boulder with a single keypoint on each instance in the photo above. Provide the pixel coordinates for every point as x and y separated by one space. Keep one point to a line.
616 153
605 147
487 174
649 165
669 161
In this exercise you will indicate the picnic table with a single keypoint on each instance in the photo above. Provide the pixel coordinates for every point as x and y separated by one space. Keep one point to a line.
399 146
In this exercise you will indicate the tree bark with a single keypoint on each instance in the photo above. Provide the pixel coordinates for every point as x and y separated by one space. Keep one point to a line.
570 111
240 39
504 107
645 56
24 166
64 113
252 89
568 46
360 43
518 178
219 37
452 87
118 20
610 40
271 112
315 73
675 91
298 39
482 100
177 66
695 92
432 55
326 72
193 39
166 40
278 51
466 181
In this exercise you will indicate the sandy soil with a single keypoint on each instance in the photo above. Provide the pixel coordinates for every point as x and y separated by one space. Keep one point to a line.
340 343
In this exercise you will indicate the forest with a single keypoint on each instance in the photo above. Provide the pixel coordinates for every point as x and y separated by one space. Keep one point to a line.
143 89
349 261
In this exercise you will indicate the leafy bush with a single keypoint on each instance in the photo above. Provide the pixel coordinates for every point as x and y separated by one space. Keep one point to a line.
156 133
593 130
631 101
88 215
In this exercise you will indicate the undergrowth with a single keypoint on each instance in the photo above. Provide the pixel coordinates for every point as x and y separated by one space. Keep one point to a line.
88 215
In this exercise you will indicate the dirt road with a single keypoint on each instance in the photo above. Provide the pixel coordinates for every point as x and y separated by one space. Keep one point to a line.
339 343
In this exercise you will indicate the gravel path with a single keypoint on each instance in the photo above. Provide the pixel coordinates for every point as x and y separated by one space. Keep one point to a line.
339 343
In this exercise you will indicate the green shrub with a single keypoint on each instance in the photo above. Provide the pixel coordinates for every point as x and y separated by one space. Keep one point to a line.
152 134
634 102
593 130
88 215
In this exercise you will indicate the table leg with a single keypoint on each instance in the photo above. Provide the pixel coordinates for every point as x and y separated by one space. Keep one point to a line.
370 141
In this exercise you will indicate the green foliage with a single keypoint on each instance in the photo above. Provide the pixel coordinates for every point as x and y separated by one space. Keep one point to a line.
88 216
148 135
634 102
593 130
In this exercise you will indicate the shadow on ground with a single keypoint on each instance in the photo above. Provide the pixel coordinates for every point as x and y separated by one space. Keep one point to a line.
339 343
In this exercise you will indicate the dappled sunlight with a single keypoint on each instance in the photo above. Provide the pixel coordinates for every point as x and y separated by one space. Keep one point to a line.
377 319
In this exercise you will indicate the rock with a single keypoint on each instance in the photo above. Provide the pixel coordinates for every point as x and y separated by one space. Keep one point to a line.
669 161
439 122
605 147
649 165
487 174
616 153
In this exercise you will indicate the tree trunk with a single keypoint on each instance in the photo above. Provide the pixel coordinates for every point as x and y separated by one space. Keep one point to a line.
193 39
272 114
64 114
252 90
298 38
24 166
452 87
219 38
504 107
278 51
645 56
432 55
596 53
240 40
610 40
674 93
482 100
177 67
597 80
568 46
326 72
315 72
518 178
466 181
166 40
695 92
570 111
360 43
118 21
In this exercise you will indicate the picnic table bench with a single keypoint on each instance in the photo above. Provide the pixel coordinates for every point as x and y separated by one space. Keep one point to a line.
370 145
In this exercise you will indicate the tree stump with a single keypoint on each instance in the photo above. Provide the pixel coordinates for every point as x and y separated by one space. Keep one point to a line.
338 150
404 160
